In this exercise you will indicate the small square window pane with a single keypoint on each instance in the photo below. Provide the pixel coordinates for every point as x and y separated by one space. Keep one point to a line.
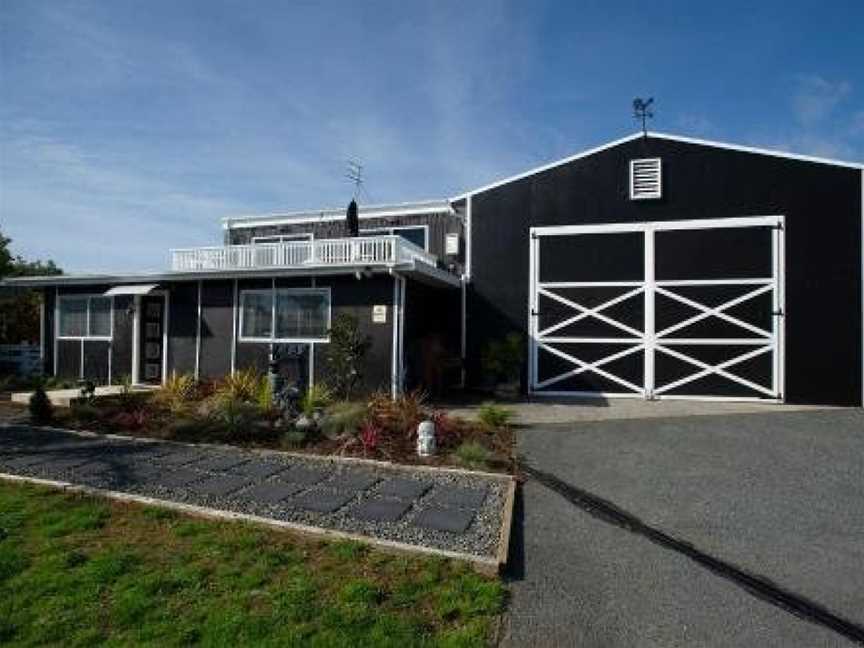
73 316
301 315
100 316
257 314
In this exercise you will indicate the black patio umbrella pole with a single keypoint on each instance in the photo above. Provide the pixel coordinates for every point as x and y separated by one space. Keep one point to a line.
351 219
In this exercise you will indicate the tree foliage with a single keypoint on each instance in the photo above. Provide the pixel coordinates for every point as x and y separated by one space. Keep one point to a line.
19 307
345 353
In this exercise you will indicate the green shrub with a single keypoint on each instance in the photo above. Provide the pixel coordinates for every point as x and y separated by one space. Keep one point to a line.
41 409
244 385
193 429
85 412
265 396
237 417
473 454
502 360
343 418
178 391
317 397
493 415
345 354
294 438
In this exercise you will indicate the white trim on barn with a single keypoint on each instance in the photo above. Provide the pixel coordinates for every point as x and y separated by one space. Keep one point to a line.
657 135
648 341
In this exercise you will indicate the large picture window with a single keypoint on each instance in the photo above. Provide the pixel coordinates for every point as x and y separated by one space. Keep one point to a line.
285 315
84 316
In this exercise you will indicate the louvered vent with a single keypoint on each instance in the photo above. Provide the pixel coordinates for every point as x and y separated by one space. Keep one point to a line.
646 179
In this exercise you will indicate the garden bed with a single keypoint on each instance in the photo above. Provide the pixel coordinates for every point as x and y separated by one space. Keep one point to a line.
239 411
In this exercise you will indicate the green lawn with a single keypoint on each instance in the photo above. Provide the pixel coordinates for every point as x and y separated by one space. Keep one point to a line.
82 571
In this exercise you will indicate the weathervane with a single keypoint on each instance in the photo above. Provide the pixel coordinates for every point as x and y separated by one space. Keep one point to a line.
642 110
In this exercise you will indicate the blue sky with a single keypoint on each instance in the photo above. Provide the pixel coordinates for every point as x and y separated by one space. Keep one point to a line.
127 128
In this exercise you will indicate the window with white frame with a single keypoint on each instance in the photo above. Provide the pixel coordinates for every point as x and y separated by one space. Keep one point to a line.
416 234
283 238
84 316
285 315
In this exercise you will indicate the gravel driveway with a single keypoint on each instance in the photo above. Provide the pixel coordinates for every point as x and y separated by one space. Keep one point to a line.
734 530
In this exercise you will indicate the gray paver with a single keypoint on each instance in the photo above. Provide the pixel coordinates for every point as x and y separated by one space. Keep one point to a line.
454 496
175 478
268 493
258 469
303 475
322 501
380 510
220 485
352 481
25 461
403 488
219 463
444 519
179 458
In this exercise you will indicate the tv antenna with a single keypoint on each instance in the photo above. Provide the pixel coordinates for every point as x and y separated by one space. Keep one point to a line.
642 111
355 175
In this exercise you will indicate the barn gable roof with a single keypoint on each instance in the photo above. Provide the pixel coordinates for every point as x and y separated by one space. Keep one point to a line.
663 136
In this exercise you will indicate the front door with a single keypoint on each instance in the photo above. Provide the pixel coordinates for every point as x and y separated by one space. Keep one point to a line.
152 336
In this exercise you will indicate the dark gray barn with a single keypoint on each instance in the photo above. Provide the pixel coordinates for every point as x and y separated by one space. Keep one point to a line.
654 266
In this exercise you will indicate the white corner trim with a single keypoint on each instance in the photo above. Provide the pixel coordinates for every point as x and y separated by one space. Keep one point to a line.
198 334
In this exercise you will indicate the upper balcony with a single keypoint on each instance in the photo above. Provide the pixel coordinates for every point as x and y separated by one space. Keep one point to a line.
368 251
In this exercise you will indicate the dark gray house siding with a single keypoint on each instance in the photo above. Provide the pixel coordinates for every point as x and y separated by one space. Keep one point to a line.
821 204
217 307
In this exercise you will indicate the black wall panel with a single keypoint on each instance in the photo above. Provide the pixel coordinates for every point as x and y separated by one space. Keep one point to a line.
48 332
217 299
432 338
821 203
182 327
121 348
357 297
69 359
96 361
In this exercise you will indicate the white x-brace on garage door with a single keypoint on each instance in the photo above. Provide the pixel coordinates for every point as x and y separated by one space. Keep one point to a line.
635 332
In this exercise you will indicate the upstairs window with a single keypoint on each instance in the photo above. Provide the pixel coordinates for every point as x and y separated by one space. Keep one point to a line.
416 234
84 316
646 179
285 315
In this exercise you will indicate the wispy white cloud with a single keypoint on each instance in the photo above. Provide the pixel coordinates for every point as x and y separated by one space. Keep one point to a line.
816 98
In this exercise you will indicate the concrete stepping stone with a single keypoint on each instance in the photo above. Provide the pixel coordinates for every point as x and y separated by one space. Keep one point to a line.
220 485
380 510
444 519
179 458
268 493
404 488
458 497
219 463
304 475
25 461
352 481
322 501
175 478
258 469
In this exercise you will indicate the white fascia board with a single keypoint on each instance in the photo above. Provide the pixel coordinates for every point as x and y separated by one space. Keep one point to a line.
326 215
758 151
665 136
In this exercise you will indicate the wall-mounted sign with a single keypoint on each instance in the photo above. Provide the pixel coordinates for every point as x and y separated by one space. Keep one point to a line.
379 314
451 244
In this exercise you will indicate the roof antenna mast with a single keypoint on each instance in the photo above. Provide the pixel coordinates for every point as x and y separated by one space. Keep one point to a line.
355 174
642 111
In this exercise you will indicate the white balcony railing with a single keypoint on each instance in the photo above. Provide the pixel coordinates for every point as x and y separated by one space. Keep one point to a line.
360 251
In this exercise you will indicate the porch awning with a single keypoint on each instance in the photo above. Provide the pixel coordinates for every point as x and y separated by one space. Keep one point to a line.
134 289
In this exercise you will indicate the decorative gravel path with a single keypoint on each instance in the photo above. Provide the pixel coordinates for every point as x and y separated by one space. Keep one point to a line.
454 511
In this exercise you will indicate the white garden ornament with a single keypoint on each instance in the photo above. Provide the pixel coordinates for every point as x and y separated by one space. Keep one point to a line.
426 439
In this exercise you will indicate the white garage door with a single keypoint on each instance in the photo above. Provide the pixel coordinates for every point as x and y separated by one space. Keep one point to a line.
672 309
